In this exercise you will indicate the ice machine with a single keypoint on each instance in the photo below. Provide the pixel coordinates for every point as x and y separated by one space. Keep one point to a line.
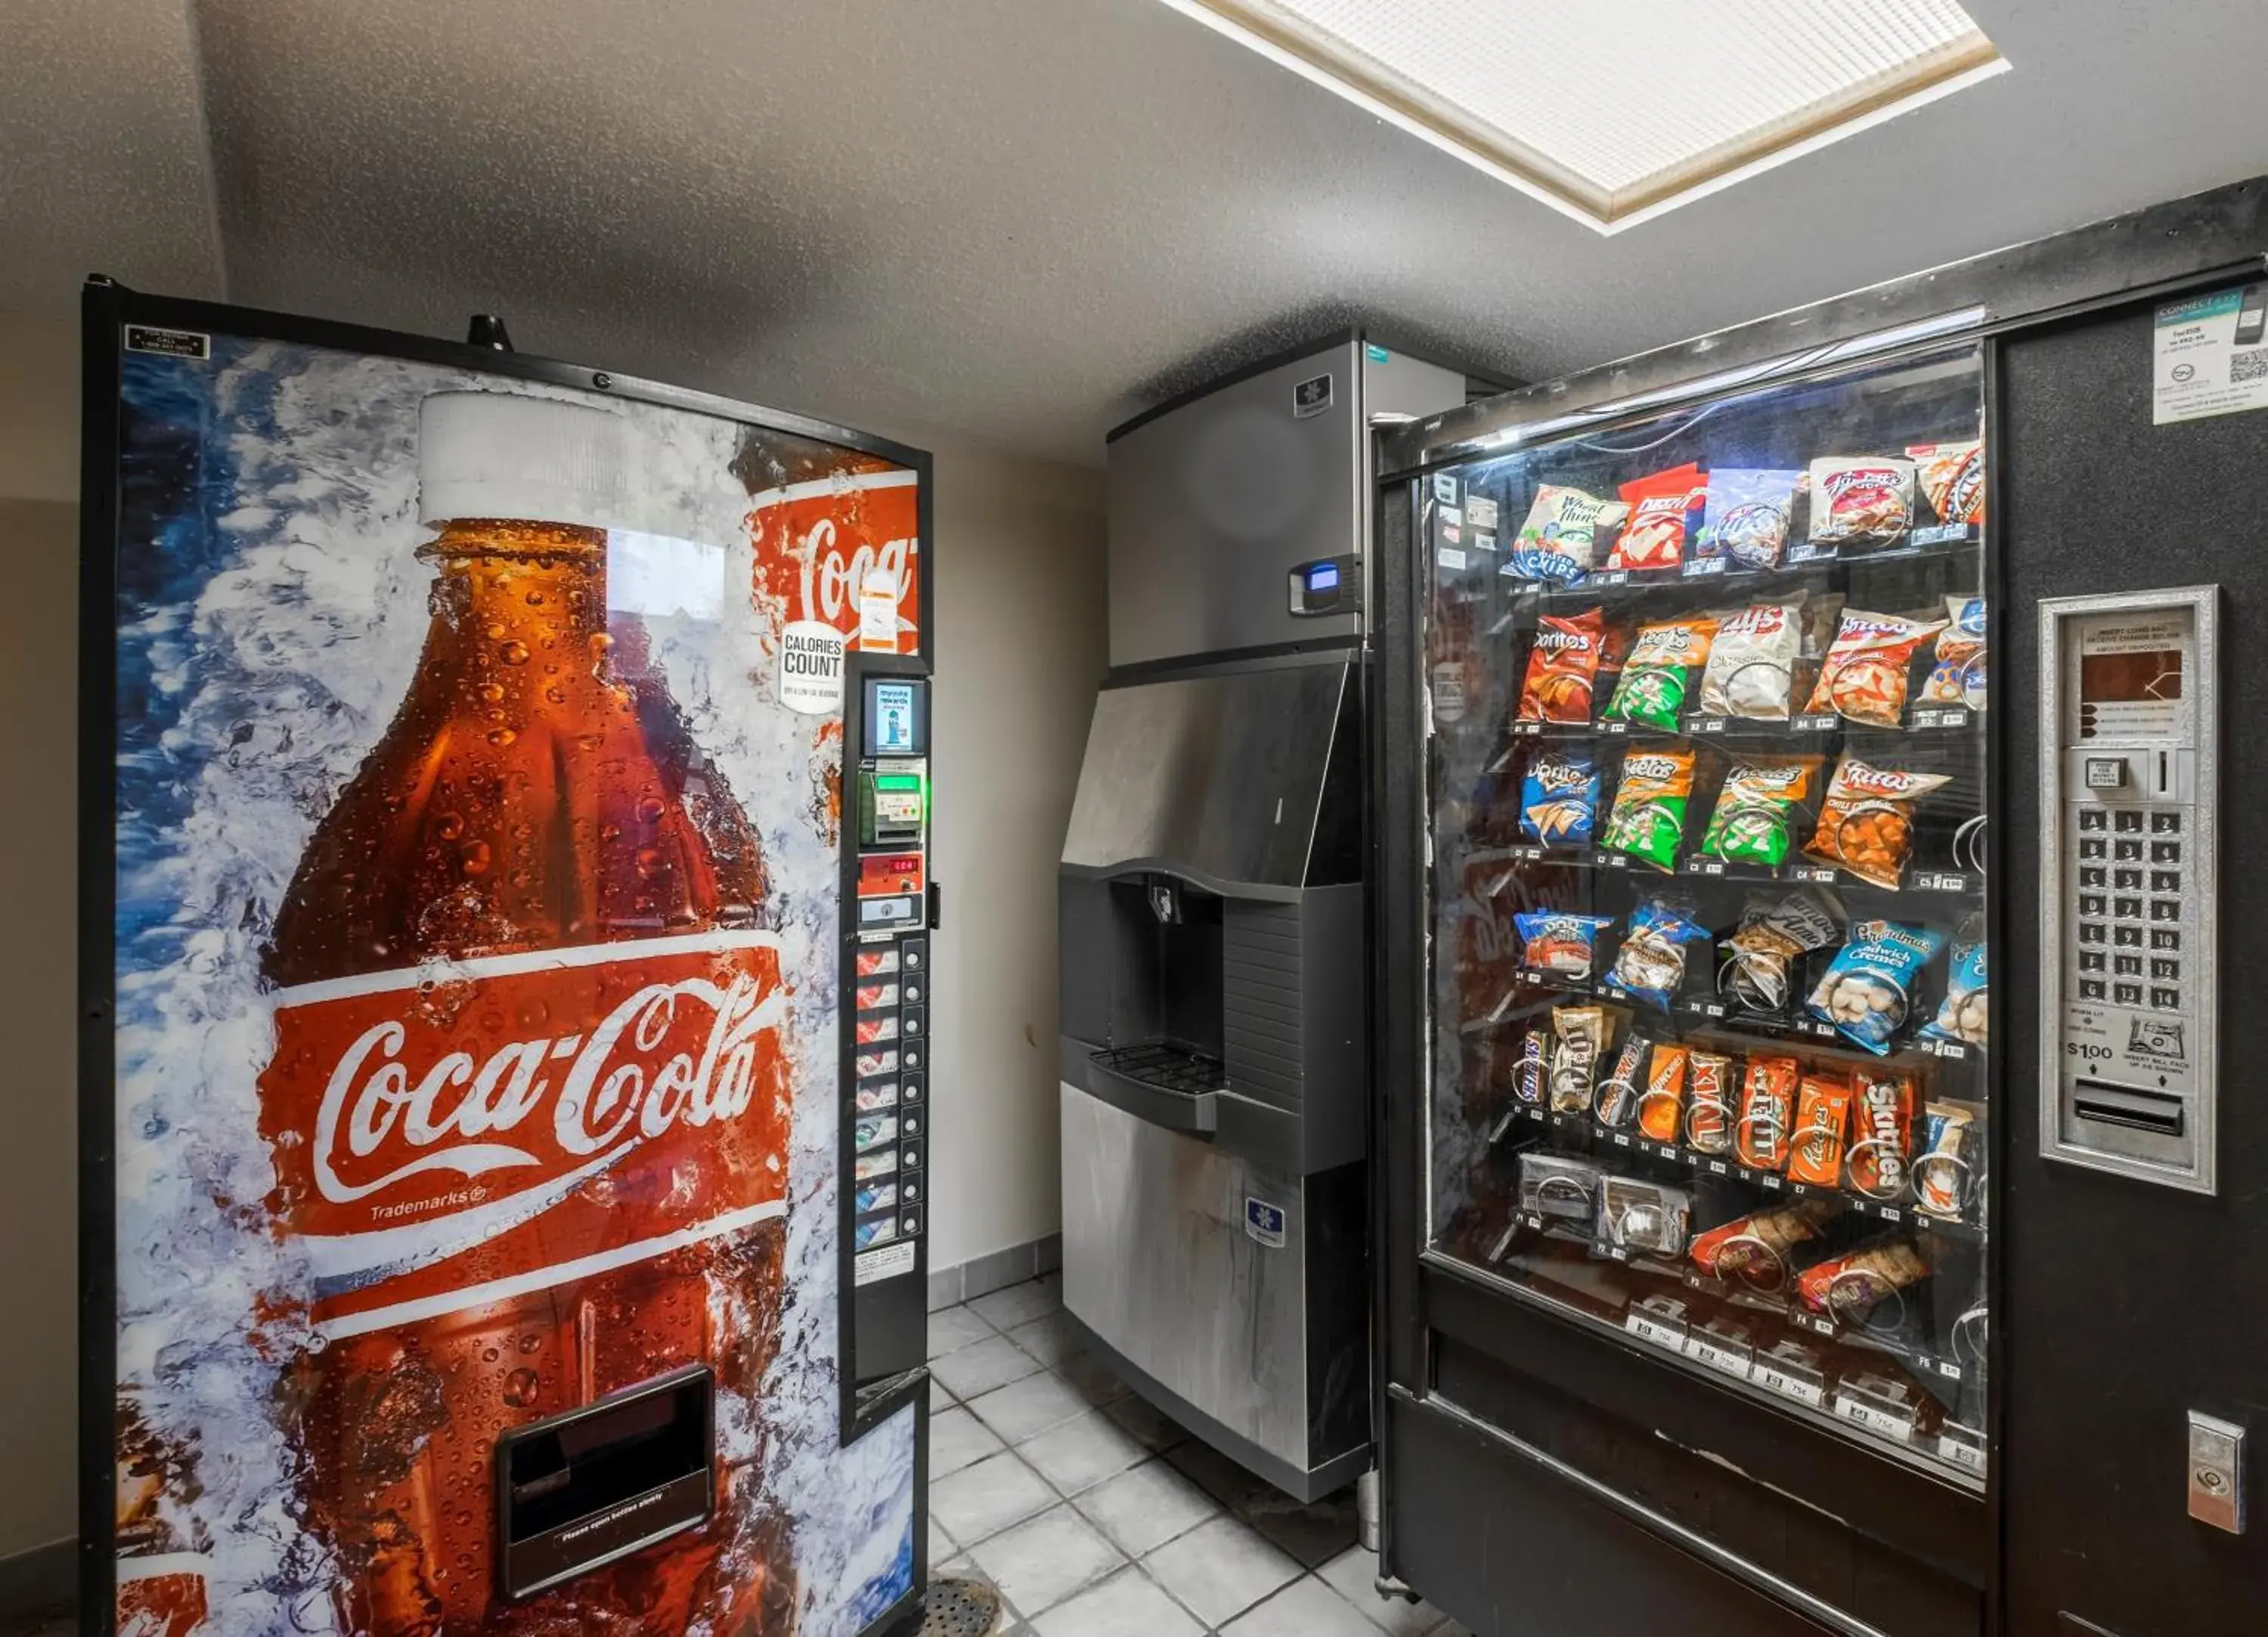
1213 912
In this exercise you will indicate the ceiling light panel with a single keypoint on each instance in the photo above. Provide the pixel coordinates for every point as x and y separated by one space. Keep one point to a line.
1616 109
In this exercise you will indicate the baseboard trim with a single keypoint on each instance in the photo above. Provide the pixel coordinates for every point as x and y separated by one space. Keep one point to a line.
949 1286
42 1583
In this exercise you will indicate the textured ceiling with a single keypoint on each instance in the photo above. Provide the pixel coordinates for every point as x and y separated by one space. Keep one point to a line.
1018 221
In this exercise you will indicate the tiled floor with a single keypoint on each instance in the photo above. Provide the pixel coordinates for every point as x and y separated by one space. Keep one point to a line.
1095 1516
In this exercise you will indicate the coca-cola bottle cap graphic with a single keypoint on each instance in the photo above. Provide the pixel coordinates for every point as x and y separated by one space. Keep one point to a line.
512 458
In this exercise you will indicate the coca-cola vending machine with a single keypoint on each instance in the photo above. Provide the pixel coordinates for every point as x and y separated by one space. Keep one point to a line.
504 959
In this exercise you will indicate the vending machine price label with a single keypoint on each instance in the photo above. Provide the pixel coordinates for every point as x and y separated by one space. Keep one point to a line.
1704 866
1701 566
1704 724
1898 1424
1645 1327
1816 722
1778 1380
1732 1360
1621 1141
1720 1168
1962 1448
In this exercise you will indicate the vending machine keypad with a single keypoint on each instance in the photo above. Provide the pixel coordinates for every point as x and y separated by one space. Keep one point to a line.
2128 772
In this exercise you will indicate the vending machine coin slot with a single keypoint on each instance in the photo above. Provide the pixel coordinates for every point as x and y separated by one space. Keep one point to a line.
2128 779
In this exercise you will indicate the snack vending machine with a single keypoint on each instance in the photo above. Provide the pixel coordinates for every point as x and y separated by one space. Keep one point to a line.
1747 706
491 1222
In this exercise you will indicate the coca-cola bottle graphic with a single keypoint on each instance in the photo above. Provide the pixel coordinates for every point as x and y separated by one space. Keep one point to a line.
528 1105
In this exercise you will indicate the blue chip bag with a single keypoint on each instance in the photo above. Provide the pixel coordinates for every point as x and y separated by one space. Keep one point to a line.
1559 799
1962 1015
1867 992
1651 964
1560 945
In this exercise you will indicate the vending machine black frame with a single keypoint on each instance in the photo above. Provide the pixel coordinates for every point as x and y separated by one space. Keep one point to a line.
107 309
1574 1465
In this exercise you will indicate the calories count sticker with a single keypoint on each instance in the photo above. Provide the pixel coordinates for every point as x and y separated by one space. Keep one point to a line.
811 667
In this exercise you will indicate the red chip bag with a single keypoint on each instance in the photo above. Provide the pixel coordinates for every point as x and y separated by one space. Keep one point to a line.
1661 508
1563 667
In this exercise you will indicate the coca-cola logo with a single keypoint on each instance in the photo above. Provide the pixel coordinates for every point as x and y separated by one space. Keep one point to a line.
833 578
670 1053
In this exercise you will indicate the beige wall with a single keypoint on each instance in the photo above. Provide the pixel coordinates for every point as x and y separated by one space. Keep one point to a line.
1020 646
39 881
1021 643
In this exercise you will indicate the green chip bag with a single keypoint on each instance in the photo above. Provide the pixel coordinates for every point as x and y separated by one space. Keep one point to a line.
1649 820
1658 675
1754 819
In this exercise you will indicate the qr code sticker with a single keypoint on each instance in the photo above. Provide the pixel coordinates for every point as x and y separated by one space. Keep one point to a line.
2248 366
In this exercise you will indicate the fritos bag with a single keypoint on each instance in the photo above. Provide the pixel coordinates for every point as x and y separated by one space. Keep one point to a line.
1865 825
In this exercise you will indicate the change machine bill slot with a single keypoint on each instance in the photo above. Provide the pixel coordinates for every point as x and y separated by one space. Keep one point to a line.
2129 729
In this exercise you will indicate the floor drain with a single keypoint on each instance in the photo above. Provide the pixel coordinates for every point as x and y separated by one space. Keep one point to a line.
959 1608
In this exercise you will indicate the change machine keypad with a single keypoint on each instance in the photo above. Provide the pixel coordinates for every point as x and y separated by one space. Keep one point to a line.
2128 730
890 981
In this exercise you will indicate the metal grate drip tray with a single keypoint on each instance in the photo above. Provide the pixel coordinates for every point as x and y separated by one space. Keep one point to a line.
959 1608
1167 1066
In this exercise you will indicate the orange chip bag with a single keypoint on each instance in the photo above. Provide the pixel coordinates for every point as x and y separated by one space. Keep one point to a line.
1863 677
1866 824
1952 477
1661 1105
1822 1117
1563 667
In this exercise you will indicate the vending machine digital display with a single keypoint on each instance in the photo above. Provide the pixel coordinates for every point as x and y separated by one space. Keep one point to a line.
470 985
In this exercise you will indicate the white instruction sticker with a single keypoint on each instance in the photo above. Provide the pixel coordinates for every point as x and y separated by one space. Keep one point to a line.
811 668
877 612
2211 356
887 1263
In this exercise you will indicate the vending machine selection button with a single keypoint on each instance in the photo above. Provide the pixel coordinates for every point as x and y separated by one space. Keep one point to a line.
2129 850
2129 822
2090 988
2127 937
2127 993
2162 852
2163 969
2129 909
2090 960
2091 932
2165 824
2126 880
2163 939
2165 881
2094 818
2090 903
2093 847
2092 876
2127 965
2165 909
2166 1000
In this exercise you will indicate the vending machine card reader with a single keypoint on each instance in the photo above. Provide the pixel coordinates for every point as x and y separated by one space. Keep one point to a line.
2129 737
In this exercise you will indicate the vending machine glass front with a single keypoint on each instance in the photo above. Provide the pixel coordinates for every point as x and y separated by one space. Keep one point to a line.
1706 784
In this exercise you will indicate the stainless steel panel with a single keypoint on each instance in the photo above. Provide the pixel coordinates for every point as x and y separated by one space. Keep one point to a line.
1218 777
1157 1262
2119 1061
1211 504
